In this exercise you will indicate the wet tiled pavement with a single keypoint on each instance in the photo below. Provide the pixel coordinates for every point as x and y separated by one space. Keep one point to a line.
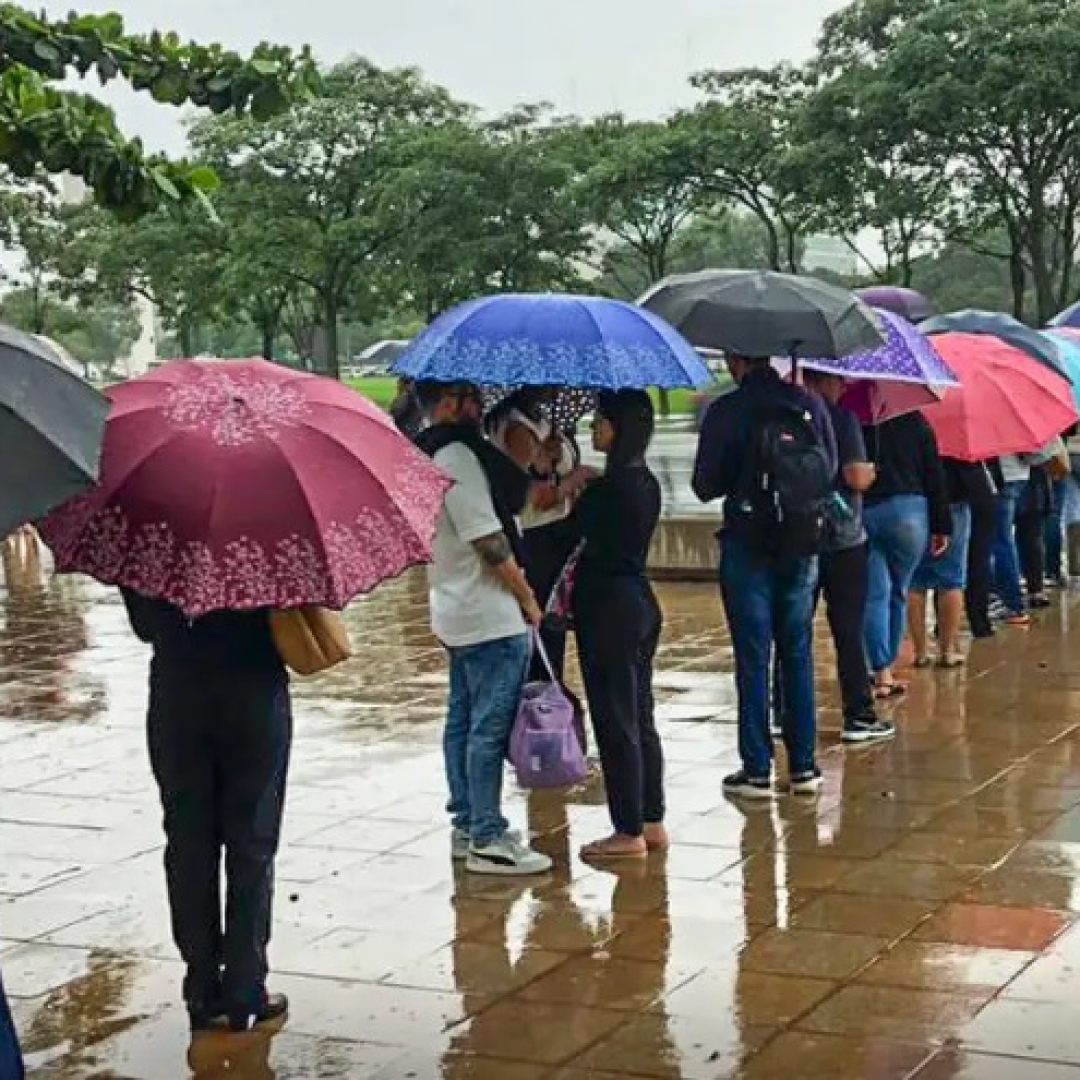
919 921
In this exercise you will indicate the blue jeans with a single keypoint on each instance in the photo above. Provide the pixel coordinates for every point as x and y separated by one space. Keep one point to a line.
769 602
486 682
11 1062
899 532
1006 556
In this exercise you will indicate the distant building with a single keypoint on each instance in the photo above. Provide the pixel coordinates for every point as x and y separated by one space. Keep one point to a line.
830 253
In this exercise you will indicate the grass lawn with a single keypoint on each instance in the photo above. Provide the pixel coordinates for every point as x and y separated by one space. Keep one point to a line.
381 388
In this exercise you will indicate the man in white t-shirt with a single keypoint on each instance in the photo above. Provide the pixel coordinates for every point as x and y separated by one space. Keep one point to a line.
481 609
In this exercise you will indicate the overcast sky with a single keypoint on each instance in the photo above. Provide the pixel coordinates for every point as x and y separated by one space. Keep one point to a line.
584 56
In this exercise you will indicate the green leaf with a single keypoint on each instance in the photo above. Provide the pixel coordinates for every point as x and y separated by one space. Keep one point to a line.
47 51
165 184
204 179
265 67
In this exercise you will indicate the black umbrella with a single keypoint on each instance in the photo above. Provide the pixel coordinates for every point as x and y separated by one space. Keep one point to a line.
996 324
51 427
762 313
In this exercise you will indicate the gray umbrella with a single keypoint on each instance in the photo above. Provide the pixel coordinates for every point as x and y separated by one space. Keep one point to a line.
762 313
51 427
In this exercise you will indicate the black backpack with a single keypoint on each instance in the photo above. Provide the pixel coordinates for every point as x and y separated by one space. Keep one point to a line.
788 483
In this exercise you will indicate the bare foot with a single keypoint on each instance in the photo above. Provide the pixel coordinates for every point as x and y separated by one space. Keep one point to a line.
656 837
616 847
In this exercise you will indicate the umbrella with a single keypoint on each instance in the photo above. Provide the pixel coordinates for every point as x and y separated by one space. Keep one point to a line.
761 313
552 340
51 427
1068 347
908 303
1007 403
900 376
1005 327
241 484
1070 317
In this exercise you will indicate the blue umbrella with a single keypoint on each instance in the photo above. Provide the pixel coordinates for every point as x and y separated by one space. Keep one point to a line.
1004 327
1069 350
1070 317
553 340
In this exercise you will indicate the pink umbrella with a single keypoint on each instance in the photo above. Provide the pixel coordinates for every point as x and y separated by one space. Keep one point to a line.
242 484
1007 403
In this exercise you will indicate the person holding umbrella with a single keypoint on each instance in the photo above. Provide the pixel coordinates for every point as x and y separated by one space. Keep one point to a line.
231 491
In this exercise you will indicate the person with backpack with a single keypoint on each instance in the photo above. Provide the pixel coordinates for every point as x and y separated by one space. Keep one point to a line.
907 512
768 450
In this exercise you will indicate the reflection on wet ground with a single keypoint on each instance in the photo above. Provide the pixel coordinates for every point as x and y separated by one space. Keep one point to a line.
920 921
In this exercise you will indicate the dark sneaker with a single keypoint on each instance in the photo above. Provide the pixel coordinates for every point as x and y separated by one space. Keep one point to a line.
866 729
273 1007
740 786
806 783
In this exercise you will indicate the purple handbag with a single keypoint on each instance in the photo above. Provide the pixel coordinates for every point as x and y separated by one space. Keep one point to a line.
545 747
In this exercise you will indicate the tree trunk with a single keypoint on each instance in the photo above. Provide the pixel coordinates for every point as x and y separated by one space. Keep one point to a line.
185 331
329 358
1042 274
1018 279
267 333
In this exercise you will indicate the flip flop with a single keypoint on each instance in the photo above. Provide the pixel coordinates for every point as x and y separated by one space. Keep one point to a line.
953 660
924 662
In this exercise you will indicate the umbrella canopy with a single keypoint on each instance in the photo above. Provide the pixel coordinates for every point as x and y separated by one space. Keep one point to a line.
241 484
762 313
1068 346
51 428
1070 317
1007 403
552 340
1005 327
908 303
898 377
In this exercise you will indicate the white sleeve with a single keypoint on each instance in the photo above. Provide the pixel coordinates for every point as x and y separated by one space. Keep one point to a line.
468 503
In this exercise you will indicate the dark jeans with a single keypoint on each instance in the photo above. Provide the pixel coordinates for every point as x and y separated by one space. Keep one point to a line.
618 625
769 602
1054 532
1031 546
219 747
1006 555
11 1062
980 574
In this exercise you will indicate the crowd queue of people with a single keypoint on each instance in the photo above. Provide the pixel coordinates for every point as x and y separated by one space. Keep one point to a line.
532 543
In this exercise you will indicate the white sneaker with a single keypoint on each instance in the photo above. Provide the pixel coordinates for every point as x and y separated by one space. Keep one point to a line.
508 857
460 842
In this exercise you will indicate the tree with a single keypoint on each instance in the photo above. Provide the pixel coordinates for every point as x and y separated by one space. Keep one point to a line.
492 209
864 170
717 239
96 336
30 222
743 136
640 188
994 88
42 127
172 257
329 177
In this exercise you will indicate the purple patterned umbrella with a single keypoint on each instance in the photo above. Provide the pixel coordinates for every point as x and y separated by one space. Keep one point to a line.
901 376
909 303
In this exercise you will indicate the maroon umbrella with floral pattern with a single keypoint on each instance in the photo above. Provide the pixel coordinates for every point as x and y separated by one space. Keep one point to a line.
242 484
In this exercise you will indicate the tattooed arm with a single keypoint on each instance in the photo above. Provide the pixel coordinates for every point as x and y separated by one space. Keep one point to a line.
499 559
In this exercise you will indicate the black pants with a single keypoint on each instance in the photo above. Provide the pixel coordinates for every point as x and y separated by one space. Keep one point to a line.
219 748
618 625
980 567
843 582
1031 544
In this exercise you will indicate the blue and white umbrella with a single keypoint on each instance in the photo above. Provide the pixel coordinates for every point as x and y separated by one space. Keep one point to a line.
553 340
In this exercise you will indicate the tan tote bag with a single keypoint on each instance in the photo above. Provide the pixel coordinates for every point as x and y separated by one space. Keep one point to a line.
310 639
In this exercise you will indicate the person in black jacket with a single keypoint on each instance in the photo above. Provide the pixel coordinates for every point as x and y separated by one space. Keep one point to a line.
982 499
618 623
906 511
220 732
